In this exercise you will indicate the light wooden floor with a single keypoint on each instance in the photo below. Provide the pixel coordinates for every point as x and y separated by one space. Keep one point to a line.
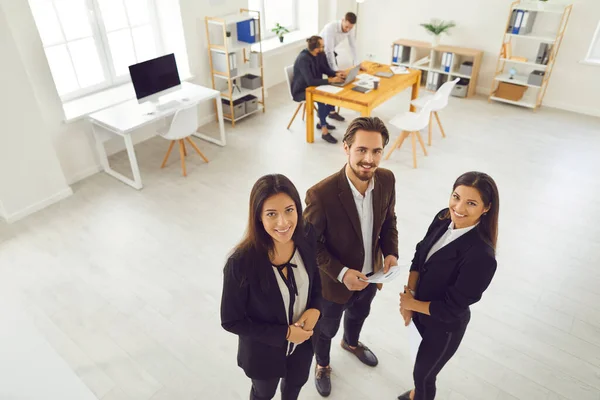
125 285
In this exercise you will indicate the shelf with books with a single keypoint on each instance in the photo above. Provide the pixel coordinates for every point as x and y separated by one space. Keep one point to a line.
529 62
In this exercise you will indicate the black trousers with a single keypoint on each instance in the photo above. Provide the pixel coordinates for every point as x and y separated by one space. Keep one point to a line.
356 312
297 371
436 349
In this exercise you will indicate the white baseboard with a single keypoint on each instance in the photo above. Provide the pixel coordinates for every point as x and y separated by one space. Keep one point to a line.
85 174
63 194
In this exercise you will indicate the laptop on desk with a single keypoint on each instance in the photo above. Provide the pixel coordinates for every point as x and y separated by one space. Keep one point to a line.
350 77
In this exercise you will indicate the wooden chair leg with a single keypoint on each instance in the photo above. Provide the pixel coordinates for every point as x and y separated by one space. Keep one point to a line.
168 154
182 155
397 144
191 142
303 111
294 117
184 150
338 110
439 123
430 121
413 139
422 143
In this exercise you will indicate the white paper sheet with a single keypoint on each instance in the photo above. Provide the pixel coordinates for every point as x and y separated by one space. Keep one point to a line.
330 89
399 70
414 340
380 277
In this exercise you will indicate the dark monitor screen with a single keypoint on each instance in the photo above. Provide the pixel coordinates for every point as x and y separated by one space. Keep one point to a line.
153 76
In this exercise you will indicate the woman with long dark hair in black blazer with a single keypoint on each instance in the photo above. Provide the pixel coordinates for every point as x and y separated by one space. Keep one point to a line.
452 267
272 291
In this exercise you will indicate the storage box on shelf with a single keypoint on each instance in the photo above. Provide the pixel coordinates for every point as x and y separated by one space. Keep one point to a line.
440 64
532 39
236 71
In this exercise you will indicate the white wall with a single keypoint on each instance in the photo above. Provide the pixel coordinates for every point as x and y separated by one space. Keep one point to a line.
30 173
480 25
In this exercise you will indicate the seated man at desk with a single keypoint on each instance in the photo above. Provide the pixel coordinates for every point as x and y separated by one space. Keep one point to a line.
308 71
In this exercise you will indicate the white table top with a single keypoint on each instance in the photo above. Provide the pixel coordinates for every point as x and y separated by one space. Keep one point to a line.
126 117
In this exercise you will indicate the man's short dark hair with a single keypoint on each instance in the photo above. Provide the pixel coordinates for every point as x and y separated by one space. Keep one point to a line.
369 124
350 17
313 42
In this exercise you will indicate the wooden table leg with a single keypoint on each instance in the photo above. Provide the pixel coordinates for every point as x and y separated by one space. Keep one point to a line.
415 91
414 148
365 112
310 119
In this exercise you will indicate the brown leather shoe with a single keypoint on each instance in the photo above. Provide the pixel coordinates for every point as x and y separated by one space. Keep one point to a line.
323 380
363 353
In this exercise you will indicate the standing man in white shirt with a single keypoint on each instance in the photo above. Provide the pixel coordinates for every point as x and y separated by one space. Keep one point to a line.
333 34
353 215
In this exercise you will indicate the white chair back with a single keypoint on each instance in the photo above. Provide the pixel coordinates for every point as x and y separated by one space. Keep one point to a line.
422 119
185 122
442 95
289 77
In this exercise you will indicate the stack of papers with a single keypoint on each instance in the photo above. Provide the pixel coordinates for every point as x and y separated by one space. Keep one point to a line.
366 81
330 89
399 70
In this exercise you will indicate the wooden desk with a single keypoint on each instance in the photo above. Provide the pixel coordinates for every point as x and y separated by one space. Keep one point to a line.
362 102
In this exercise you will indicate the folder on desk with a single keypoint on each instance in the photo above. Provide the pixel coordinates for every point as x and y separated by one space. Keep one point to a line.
247 31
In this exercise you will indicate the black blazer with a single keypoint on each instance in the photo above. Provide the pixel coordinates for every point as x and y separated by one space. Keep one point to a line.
308 71
454 277
253 308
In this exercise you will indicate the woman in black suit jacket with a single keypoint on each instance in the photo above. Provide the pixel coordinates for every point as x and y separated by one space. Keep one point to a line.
452 267
272 291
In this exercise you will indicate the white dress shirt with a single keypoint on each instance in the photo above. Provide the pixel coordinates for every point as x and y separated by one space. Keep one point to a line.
448 237
333 35
364 206
302 284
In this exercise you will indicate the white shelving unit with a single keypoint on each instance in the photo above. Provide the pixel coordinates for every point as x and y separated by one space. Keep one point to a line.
428 59
219 44
537 13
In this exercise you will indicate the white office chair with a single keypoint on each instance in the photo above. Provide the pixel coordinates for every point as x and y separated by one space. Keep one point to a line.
289 77
411 123
183 125
441 96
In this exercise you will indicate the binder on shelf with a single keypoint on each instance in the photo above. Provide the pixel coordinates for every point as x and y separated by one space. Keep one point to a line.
220 62
449 62
528 21
518 22
254 59
511 24
541 52
405 55
396 53
247 31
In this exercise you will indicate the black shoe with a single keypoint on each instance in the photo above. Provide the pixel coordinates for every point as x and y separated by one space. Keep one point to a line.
404 396
363 353
330 127
329 139
323 380
336 116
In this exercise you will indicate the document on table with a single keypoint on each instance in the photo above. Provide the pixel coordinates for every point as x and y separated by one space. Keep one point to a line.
399 70
380 277
330 89
414 340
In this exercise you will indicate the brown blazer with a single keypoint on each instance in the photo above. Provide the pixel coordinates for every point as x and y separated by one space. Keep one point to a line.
331 209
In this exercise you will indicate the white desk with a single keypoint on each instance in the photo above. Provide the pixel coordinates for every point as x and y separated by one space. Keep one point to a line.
122 119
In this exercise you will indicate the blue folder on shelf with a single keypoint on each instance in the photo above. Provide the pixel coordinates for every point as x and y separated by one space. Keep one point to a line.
247 31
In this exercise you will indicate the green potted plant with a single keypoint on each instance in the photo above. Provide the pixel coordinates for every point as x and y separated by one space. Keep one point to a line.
436 28
280 31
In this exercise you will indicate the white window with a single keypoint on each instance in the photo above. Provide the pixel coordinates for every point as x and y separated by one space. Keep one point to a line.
90 44
593 54
272 12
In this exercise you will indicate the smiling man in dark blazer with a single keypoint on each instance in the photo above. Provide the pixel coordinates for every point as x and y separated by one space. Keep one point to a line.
353 214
